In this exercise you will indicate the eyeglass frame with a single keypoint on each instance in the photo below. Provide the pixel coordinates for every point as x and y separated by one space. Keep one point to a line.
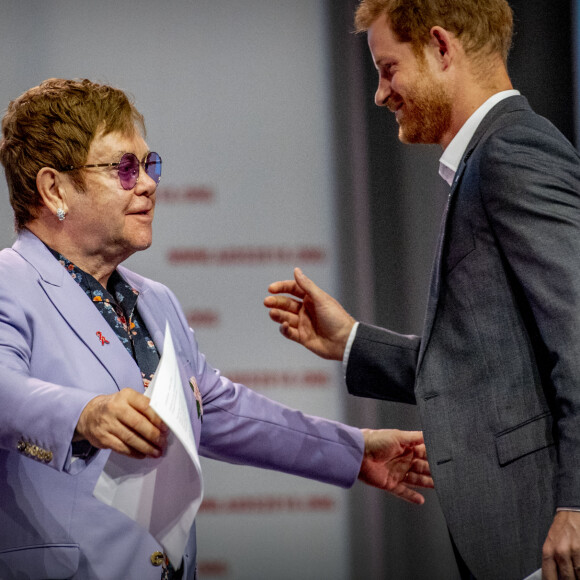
117 163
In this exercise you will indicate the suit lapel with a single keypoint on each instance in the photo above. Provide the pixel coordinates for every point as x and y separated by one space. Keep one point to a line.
435 285
79 313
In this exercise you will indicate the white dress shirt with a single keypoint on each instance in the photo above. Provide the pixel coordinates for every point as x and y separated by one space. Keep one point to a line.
453 154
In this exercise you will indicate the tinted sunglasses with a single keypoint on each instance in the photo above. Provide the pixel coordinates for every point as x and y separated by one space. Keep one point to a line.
128 168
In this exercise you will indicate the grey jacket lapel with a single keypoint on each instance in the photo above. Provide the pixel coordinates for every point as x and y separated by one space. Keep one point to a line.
435 286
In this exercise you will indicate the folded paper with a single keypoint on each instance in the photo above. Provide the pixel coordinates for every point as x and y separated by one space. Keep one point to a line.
161 494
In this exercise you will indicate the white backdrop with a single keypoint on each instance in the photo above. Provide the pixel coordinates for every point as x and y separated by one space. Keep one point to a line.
235 96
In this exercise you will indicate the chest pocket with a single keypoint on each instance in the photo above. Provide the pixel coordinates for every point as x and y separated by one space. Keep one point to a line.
523 439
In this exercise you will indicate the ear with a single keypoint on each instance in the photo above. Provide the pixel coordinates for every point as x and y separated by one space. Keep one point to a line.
52 190
443 44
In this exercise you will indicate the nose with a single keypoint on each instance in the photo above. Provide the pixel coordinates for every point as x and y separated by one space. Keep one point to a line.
145 185
383 93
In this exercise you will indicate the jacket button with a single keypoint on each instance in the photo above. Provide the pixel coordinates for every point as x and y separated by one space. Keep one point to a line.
157 558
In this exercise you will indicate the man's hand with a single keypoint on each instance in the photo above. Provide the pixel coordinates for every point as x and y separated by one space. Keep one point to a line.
561 551
123 422
310 316
396 461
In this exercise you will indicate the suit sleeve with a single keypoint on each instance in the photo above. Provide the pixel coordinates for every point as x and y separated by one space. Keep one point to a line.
382 365
530 189
243 427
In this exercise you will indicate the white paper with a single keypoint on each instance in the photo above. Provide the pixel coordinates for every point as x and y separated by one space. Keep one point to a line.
161 494
537 575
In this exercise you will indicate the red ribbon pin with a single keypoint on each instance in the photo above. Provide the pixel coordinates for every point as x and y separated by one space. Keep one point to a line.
102 338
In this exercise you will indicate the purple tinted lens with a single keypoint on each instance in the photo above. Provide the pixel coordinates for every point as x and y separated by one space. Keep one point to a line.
128 171
153 166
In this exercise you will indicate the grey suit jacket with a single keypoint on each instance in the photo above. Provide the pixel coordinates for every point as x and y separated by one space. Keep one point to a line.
496 374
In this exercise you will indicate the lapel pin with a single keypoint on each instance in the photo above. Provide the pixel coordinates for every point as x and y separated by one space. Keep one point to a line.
102 338
197 394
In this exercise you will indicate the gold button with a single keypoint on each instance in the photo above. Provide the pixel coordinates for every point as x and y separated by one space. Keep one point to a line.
48 457
21 446
157 558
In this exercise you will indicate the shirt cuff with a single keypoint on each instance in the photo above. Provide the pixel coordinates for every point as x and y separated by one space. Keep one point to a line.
348 346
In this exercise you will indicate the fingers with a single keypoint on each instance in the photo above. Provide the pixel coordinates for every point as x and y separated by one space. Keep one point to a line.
288 323
290 332
284 311
561 550
420 466
410 495
143 429
411 438
421 451
419 475
396 462
558 570
549 570
306 285
299 287
415 480
381 441
283 303
126 442
286 287
281 317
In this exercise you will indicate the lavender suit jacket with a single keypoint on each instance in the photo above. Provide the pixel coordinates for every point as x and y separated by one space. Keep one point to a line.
52 363
496 374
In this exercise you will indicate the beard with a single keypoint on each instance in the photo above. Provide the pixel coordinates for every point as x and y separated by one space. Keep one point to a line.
426 114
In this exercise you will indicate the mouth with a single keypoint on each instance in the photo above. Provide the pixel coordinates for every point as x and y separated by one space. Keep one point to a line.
144 212
398 112
396 108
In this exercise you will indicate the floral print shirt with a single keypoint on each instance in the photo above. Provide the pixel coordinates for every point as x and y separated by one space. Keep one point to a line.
117 303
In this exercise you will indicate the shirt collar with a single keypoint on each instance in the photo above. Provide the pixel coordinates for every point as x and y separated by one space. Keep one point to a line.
118 292
451 158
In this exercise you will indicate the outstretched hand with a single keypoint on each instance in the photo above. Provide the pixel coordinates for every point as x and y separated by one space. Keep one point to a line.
396 461
310 316
393 460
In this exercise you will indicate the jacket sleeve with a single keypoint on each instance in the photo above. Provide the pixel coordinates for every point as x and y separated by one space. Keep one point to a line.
382 365
243 427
